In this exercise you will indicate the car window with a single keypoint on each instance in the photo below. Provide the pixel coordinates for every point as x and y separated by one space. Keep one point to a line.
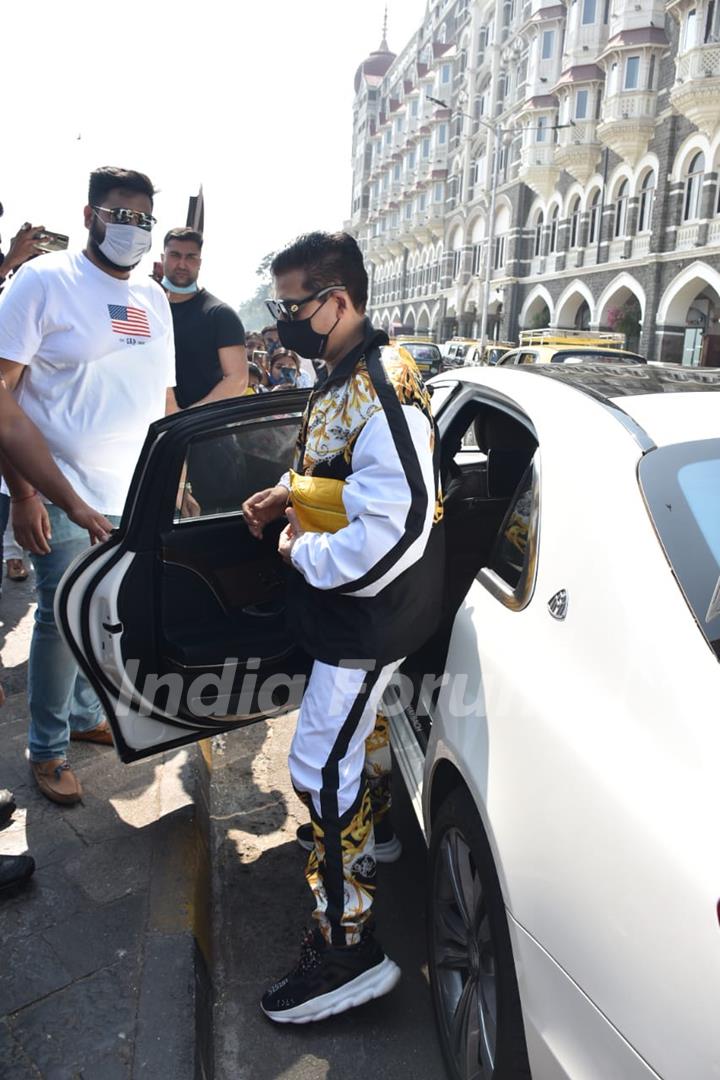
590 357
681 484
511 552
509 573
220 472
525 358
423 352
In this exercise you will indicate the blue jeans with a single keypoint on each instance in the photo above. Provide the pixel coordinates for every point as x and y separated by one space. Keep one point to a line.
59 695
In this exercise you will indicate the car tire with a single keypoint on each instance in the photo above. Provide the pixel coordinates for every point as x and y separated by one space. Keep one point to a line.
472 971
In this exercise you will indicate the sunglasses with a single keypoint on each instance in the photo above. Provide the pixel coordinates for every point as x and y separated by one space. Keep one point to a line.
120 215
286 310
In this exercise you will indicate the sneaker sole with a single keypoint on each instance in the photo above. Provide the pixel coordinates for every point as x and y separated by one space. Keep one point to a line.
389 852
375 983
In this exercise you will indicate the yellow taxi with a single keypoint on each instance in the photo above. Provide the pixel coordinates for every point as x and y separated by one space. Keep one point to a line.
570 347
426 354
467 352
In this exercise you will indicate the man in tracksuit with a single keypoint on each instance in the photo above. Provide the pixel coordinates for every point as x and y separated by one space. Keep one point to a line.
366 547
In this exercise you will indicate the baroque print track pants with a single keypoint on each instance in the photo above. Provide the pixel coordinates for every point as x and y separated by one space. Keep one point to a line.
340 768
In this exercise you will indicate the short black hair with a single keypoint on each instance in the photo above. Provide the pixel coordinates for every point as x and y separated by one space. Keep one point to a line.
326 259
185 233
109 177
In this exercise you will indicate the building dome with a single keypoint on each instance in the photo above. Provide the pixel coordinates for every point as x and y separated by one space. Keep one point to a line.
377 64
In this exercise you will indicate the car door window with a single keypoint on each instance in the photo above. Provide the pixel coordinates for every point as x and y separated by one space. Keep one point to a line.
510 570
222 470
525 358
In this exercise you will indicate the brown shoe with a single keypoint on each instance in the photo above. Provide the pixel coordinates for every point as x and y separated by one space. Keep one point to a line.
100 734
16 570
57 781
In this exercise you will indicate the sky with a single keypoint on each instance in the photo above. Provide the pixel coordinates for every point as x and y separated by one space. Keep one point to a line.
251 99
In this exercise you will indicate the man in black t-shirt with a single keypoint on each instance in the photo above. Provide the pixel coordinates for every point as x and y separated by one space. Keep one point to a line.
210 361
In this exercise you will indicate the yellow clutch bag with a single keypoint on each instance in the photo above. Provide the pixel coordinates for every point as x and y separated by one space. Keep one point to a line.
317 501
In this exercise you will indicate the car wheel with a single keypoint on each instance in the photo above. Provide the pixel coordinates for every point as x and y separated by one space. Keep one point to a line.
472 972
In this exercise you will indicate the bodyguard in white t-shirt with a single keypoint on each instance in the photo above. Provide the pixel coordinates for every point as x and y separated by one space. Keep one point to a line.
89 351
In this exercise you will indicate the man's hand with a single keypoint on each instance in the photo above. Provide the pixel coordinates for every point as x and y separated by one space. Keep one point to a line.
289 535
189 506
97 526
31 525
263 507
23 246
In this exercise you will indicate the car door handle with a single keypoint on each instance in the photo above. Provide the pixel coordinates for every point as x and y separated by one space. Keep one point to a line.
113 628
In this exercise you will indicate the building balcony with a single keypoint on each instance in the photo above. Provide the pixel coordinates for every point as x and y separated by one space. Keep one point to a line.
376 245
431 223
578 149
628 123
423 170
641 246
687 236
538 168
714 233
696 93
616 250
584 43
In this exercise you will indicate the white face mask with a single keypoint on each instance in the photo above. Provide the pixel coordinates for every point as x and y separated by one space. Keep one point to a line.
125 245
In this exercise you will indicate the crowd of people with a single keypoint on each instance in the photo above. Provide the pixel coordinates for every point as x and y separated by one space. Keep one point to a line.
90 355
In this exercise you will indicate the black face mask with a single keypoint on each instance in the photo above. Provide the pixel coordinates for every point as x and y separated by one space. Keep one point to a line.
298 336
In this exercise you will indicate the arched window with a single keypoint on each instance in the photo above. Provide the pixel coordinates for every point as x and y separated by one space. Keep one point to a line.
693 188
621 205
537 245
594 222
647 202
575 222
553 229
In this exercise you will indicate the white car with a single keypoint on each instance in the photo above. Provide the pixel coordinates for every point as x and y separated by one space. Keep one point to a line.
566 769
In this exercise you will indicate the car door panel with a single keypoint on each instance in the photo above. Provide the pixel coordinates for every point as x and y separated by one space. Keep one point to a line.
180 622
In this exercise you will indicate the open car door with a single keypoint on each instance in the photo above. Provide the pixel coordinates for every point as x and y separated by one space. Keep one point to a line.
179 620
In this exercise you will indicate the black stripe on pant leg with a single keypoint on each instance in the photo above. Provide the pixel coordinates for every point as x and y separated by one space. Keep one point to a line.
333 875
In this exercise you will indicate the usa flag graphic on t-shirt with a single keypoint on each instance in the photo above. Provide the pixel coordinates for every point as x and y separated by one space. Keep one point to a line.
129 320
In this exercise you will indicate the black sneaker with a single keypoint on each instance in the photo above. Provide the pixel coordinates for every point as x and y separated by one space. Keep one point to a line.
330 980
388 848
7 806
15 870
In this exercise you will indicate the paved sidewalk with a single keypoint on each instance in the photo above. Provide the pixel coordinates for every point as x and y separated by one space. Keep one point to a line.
260 906
99 977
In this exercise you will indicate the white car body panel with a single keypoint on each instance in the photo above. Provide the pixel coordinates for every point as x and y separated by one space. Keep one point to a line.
599 796
567 1036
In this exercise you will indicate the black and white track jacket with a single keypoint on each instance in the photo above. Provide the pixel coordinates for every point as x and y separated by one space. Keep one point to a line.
368 586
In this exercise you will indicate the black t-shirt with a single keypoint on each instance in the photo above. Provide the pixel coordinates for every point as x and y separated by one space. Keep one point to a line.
203 325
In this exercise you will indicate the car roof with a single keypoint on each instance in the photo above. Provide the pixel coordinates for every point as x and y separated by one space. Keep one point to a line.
661 404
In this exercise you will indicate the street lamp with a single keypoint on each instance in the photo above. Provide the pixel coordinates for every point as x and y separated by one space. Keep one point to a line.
498 133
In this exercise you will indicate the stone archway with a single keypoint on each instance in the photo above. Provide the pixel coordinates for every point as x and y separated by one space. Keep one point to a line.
621 308
575 307
689 318
536 311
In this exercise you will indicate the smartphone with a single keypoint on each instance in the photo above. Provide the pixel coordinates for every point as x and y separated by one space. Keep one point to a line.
288 374
52 241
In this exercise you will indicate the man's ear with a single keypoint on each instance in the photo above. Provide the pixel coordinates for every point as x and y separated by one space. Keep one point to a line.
88 216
